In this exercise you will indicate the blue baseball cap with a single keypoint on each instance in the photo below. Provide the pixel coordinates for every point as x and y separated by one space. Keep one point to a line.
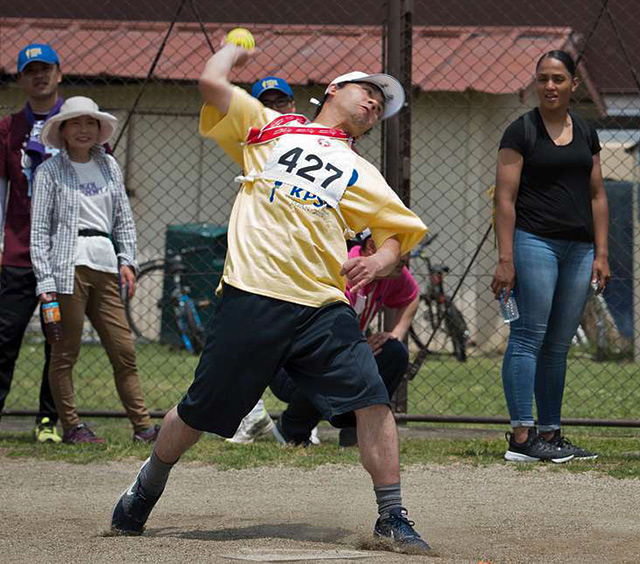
37 52
271 83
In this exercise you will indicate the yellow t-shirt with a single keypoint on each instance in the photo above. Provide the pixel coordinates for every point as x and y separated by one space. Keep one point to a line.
284 242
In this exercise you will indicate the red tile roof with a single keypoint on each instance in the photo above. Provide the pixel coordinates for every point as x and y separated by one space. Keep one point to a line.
607 60
496 60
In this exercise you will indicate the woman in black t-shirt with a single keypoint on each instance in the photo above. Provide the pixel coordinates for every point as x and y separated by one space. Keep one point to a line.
551 210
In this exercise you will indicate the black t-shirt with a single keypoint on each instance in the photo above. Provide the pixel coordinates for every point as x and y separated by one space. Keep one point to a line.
554 198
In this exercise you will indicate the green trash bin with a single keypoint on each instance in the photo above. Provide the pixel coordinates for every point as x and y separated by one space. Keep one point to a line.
203 248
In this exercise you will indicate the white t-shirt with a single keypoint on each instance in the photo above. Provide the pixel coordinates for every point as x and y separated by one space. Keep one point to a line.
96 212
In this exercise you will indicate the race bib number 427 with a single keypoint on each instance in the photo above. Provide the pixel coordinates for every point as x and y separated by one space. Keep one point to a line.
321 165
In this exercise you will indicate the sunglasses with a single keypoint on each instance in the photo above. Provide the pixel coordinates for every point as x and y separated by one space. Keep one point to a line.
277 103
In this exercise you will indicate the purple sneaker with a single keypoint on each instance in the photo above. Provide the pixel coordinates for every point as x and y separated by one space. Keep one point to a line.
146 435
80 434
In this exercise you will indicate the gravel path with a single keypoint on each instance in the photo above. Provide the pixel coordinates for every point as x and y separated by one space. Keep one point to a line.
59 512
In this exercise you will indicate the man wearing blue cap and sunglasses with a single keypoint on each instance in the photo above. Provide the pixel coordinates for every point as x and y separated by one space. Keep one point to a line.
21 151
275 93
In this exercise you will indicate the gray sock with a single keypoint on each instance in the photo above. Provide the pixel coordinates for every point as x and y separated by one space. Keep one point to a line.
388 497
154 475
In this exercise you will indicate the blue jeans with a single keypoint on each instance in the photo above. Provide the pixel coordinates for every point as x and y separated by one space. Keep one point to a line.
552 286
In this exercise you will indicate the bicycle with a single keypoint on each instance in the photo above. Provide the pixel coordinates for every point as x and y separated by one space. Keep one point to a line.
144 311
440 311
598 332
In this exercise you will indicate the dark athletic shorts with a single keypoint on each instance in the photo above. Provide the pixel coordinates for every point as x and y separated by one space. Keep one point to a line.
251 337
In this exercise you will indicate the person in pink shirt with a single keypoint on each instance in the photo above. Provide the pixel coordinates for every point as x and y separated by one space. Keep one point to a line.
398 294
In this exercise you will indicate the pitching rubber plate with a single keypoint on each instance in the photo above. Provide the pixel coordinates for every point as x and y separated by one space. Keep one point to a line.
250 555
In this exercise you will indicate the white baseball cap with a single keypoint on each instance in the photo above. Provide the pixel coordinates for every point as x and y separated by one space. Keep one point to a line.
391 89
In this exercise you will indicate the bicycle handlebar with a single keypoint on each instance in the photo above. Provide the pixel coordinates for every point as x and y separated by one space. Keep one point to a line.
425 243
188 250
429 239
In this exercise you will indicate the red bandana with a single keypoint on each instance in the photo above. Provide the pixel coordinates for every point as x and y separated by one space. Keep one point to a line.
283 125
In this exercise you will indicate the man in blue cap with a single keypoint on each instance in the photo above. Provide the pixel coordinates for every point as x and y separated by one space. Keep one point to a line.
21 151
275 93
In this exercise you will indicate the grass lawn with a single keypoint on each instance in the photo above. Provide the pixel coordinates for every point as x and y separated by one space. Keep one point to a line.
444 387
594 390
619 451
606 390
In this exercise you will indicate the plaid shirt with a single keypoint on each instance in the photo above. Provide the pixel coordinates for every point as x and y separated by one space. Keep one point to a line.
54 220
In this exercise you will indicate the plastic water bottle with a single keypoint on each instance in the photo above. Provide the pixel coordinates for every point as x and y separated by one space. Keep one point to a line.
509 308
361 302
52 323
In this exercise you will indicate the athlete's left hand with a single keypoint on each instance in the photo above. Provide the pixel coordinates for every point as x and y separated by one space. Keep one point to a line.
128 279
360 271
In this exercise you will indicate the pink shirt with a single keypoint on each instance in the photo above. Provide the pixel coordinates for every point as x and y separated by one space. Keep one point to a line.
394 293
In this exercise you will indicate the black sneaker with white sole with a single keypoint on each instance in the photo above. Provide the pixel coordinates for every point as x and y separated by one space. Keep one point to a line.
398 530
132 510
535 449
579 453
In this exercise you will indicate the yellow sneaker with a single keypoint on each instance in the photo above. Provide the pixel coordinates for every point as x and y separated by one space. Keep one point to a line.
46 432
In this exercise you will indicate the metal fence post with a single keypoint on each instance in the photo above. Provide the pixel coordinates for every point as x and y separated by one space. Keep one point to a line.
473 77
398 50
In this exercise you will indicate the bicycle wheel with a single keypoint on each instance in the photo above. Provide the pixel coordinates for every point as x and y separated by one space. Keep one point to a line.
144 309
457 329
194 328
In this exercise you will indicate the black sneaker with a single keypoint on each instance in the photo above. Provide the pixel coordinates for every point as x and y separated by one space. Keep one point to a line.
535 449
399 530
578 452
132 509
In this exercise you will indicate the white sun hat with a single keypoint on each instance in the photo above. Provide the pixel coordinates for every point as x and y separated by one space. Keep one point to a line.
75 107
391 89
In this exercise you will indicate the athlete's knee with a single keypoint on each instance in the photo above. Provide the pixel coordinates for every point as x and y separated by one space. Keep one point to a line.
178 426
372 412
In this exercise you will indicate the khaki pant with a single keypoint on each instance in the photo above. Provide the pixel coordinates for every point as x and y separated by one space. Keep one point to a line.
96 294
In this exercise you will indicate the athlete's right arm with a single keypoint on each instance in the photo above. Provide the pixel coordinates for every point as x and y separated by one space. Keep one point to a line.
214 83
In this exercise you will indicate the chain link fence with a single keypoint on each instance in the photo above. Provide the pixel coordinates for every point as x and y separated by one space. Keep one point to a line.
468 70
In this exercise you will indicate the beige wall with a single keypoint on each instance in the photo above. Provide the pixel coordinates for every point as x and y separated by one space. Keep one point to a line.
174 176
455 145
617 163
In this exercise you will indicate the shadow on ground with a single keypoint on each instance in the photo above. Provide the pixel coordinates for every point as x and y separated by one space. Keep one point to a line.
290 531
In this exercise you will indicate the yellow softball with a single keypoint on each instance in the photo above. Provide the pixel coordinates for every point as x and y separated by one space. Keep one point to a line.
242 38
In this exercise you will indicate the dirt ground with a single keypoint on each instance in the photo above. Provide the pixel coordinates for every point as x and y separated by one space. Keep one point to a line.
58 512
